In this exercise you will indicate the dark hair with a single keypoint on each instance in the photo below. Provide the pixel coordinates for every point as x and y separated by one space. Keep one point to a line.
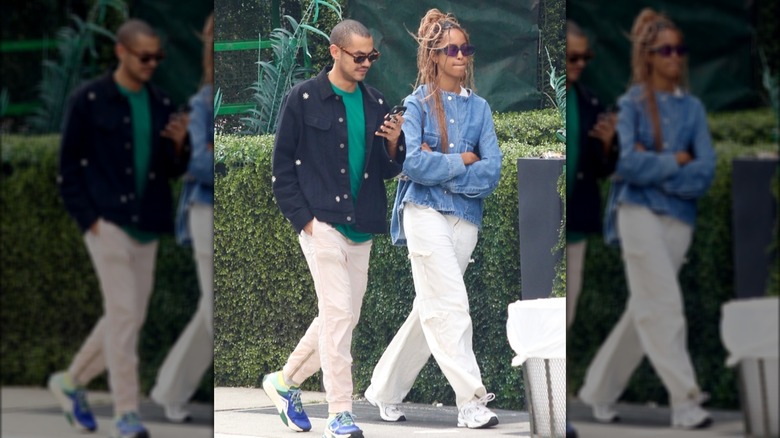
131 28
573 28
342 33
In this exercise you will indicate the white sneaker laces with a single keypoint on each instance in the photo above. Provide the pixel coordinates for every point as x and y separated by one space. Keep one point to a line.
479 406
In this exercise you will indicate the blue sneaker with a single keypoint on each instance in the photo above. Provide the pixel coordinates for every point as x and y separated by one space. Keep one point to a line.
287 400
342 426
73 400
128 425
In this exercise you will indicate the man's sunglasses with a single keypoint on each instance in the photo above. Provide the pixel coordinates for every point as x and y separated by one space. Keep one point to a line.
452 50
359 59
667 50
145 58
577 57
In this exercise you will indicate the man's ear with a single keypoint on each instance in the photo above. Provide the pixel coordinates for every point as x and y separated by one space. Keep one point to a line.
119 51
335 52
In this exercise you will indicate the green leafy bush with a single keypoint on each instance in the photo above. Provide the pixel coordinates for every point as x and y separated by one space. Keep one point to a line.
747 127
50 295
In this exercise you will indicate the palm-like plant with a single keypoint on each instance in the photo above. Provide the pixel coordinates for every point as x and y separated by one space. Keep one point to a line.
275 78
558 84
64 75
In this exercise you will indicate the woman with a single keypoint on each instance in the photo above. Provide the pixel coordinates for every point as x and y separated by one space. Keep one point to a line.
452 163
191 356
666 163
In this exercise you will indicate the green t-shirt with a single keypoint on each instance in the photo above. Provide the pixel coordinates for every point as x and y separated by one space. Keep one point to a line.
141 117
572 151
356 148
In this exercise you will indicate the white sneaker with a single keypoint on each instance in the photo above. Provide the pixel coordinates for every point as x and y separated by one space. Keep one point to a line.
690 415
475 415
176 413
388 412
605 413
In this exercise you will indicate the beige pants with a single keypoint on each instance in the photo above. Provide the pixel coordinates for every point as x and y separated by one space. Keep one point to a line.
193 352
339 268
575 260
125 270
439 324
653 323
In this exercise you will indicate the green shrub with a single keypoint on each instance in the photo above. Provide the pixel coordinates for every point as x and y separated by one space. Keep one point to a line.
50 295
530 127
707 281
746 127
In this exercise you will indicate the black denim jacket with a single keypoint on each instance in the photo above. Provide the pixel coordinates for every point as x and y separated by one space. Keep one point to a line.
311 163
583 205
97 169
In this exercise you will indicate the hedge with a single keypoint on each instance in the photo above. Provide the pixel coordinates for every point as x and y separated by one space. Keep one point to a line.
264 295
50 295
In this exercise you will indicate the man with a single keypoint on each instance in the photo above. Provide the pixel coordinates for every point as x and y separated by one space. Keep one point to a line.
333 149
591 155
120 145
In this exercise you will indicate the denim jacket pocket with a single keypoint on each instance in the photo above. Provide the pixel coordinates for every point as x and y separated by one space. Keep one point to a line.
432 140
316 122
106 121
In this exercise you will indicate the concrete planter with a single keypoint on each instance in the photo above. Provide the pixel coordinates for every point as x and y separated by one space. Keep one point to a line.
540 212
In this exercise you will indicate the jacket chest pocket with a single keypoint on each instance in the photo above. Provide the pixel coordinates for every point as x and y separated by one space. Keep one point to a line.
106 121
432 140
317 122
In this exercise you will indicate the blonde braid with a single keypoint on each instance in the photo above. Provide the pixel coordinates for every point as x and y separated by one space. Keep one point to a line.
433 27
647 25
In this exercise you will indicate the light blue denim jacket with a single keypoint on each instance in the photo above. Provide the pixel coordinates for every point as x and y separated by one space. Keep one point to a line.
654 179
438 180
198 182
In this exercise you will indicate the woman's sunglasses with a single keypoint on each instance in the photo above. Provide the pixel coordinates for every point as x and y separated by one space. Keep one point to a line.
667 50
452 50
145 58
359 59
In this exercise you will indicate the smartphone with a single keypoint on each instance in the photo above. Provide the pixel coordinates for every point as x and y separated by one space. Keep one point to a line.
397 110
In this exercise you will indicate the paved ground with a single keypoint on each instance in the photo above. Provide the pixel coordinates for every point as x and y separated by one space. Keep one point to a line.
248 413
34 413
647 421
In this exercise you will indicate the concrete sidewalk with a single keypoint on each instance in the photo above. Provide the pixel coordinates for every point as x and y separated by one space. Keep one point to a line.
248 413
650 421
34 413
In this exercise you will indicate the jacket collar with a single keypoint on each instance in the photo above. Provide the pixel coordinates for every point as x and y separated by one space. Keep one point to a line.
110 87
326 90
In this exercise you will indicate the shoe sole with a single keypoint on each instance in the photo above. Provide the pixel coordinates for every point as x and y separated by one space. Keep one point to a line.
349 435
144 434
382 414
281 405
705 423
67 406
490 423
179 420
